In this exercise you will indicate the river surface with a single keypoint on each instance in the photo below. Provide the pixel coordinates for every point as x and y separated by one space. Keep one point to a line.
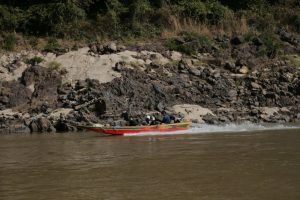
250 165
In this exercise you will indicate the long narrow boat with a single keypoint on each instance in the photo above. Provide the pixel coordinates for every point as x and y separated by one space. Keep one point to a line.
131 130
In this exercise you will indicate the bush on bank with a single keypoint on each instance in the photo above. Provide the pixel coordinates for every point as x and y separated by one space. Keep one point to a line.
92 19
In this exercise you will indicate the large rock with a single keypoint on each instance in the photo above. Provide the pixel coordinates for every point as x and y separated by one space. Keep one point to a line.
41 125
11 68
46 83
268 112
192 112
255 86
56 114
14 94
81 65
244 70
195 72
176 56
287 37
236 40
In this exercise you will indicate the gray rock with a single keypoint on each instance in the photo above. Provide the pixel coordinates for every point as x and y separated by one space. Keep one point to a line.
195 72
240 62
244 70
4 99
176 55
33 127
210 119
160 107
41 125
112 47
223 119
93 48
119 66
230 66
184 71
182 65
80 85
232 93
255 85
121 48
287 37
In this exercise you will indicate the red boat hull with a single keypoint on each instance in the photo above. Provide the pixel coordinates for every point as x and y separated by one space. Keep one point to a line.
163 128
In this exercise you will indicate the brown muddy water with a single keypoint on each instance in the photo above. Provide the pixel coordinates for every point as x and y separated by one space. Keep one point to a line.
262 165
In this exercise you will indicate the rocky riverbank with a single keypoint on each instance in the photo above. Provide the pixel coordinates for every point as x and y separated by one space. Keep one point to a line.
97 83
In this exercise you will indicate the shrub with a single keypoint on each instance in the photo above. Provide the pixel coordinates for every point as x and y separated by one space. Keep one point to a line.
33 42
34 61
52 45
192 8
10 18
294 21
217 12
272 44
53 65
250 35
175 45
9 42
49 17
190 43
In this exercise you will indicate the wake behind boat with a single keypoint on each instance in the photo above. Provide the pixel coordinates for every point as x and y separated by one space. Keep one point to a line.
132 130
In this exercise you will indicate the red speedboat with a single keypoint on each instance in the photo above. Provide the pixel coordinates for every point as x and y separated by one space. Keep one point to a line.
163 128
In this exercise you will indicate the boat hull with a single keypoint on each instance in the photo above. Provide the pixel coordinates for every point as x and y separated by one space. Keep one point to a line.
162 128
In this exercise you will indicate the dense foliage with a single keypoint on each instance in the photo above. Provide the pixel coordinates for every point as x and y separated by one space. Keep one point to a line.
113 18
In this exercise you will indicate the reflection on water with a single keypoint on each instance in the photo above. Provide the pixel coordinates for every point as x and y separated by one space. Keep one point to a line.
225 166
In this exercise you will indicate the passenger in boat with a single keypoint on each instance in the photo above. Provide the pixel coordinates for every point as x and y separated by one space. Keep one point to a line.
148 120
179 118
166 119
173 118
153 121
2 121
133 122
125 116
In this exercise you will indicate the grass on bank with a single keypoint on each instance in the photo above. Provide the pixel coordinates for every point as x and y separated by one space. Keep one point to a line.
294 59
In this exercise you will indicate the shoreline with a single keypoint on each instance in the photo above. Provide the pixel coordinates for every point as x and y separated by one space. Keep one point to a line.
40 92
243 127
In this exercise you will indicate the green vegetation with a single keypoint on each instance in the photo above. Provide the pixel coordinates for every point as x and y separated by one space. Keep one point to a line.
53 65
34 61
52 45
294 59
9 42
189 43
272 43
94 20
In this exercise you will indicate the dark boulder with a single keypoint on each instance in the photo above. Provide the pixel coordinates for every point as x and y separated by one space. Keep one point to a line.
195 72
41 125
14 94
100 107
287 37
236 40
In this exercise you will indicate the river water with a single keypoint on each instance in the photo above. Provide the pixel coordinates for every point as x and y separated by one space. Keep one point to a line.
248 165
